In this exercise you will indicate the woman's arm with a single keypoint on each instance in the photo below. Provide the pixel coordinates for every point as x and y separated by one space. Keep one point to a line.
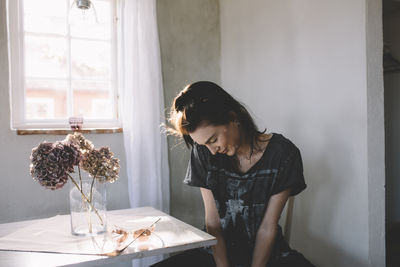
214 228
267 232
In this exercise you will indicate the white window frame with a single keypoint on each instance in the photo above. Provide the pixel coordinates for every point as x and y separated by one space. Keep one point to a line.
17 75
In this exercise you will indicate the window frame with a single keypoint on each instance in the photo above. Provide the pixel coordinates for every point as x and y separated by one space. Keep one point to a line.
15 19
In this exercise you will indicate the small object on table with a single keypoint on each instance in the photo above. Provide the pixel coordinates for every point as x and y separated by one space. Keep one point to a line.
141 232
121 232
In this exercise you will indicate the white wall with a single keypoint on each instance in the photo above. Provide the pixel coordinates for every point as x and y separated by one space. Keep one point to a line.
301 68
21 197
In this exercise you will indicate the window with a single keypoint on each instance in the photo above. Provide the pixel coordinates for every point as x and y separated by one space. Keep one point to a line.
61 68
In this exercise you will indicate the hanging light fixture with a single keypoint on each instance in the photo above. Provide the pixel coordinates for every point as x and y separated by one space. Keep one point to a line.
82 12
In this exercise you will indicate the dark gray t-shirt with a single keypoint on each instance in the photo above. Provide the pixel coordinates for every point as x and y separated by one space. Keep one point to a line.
242 198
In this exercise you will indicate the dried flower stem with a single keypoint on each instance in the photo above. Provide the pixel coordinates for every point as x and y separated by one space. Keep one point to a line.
80 177
90 203
91 187
91 199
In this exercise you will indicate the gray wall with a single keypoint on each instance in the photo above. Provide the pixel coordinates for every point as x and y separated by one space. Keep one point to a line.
20 197
375 134
392 100
189 40
301 66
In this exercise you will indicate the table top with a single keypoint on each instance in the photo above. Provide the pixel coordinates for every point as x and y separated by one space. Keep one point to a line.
170 235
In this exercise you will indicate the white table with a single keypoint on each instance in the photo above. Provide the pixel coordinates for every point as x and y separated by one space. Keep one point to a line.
171 235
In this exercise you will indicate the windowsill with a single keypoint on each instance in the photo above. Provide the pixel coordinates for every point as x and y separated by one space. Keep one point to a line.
68 131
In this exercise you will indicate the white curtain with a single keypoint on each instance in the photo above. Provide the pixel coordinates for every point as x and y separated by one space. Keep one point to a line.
143 109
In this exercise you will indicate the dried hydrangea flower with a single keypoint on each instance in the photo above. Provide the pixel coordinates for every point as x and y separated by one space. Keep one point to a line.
101 164
67 155
79 140
51 163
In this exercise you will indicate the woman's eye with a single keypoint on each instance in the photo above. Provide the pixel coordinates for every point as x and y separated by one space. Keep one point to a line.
213 141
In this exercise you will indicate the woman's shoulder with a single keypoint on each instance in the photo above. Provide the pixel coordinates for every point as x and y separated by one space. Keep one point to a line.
282 145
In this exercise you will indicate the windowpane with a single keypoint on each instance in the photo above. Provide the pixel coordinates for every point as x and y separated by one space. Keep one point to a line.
67 67
102 30
46 99
45 57
90 59
45 16
92 99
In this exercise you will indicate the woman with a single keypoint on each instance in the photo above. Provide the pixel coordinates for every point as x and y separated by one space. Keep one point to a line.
245 177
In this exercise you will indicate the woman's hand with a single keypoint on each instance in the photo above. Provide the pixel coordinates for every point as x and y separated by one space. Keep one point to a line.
267 232
213 225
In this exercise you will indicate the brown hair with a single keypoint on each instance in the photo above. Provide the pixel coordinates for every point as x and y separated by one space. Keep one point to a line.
206 102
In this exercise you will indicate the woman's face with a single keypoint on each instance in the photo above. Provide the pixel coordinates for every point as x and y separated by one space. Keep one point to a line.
223 139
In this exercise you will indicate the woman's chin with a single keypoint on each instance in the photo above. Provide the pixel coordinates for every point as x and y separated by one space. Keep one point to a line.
230 152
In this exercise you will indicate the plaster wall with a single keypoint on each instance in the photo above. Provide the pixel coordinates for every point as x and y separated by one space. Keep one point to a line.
190 43
300 66
375 134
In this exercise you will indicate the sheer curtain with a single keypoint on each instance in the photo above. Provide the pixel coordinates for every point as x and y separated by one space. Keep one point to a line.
143 108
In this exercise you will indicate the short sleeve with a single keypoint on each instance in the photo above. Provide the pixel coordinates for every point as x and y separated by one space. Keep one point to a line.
290 174
196 173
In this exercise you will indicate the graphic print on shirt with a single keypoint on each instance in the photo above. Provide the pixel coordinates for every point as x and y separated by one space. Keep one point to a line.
242 202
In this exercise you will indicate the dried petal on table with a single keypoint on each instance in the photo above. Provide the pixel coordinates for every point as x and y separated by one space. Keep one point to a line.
143 234
124 235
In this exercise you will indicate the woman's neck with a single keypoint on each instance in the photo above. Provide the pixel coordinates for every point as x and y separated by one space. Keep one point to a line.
260 144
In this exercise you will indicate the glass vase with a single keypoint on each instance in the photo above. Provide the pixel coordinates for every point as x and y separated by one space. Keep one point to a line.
87 201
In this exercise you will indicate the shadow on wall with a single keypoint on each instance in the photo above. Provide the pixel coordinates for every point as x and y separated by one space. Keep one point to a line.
336 256
186 201
321 204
